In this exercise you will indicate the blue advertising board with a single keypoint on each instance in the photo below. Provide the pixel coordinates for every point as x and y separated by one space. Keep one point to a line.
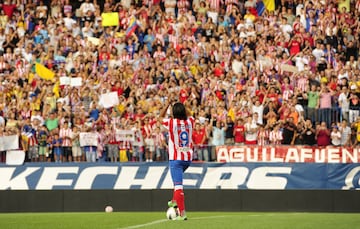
115 176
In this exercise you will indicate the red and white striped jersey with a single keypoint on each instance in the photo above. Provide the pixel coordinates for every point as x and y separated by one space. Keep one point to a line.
148 129
180 138
302 83
65 135
123 145
275 137
159 139
111 137
263 138
215 4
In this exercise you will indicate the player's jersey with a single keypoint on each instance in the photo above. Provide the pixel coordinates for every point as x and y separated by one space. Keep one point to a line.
180 138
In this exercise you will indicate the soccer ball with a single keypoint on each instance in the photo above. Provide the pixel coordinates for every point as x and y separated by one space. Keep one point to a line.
171 213
108 209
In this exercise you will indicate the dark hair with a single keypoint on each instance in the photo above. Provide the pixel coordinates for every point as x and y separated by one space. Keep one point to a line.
179 111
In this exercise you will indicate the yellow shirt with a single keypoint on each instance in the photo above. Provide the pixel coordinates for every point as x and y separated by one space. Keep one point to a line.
231 113
357 125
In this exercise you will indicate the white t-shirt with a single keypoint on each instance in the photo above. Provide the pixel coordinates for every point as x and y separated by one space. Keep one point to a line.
344 102
318 53
250 131
260 111
237 66
335 138
300 63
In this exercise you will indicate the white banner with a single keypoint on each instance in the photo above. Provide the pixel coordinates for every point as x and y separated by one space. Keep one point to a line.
73 82
125 135
289 68
9 142
108 100
15 157
88 139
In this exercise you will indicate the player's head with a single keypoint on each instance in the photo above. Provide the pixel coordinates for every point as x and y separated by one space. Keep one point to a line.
179 111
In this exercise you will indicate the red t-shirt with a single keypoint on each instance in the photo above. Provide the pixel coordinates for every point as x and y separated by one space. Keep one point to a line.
183 95
294 47
198 136
9 9
239 131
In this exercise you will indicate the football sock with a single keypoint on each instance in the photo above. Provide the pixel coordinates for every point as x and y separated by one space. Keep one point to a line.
180 200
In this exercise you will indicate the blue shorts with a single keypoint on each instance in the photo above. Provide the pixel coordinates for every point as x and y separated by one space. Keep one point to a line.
177 169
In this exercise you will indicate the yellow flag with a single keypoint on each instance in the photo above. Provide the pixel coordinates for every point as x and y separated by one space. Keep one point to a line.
56 89
43 72
110 19
31 77
269 4
342 4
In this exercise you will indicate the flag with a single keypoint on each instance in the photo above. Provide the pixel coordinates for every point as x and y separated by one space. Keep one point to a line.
132 27
342 4
269 4
110 19
260 8
43 72
56 89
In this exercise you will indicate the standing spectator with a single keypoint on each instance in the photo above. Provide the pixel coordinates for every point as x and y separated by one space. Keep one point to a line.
57 148
229 134
218 136
335 136
343 100
65 134
199 138
313 103
354 107
251 129
289 129
42 139
159 143
308 133
325 105
138 144
263 136
275 136
75 140
323 135
149 141
90 151
345 131
239 132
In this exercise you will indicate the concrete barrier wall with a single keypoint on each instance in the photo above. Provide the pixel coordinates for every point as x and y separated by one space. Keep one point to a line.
196 200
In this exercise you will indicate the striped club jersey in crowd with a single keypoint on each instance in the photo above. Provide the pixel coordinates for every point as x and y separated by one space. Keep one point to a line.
65 135
180 138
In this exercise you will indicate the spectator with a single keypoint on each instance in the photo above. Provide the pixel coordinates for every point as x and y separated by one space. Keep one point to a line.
322 135
218 135
335 136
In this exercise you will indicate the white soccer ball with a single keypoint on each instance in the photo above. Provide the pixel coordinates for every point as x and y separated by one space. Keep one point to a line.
171 213
108 209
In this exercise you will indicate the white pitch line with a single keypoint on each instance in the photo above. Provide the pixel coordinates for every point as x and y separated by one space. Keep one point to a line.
146 224
165 220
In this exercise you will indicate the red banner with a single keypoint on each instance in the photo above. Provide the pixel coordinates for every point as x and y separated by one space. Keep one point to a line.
288 154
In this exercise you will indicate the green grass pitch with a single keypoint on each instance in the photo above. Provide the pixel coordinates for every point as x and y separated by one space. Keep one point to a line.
198 220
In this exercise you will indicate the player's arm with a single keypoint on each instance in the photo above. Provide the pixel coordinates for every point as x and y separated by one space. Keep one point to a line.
188 109
164 110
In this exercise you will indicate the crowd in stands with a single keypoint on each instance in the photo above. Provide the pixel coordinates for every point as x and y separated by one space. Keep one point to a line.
252 72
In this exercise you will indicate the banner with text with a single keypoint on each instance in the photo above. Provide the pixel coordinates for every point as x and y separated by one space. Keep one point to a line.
291 154
85 176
